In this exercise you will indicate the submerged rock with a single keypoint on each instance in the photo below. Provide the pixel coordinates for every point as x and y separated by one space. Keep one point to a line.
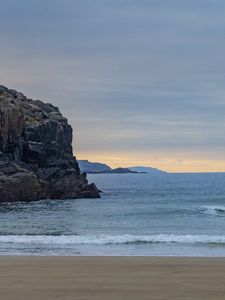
36 157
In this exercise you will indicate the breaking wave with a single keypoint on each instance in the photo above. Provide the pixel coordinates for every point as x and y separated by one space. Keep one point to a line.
112 239
213 209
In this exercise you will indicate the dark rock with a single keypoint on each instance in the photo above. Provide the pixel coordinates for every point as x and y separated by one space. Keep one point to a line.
36 158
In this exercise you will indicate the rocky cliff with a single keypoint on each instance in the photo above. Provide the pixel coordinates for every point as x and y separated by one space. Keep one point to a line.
36 158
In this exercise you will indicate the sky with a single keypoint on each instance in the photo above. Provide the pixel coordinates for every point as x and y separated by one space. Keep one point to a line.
142 82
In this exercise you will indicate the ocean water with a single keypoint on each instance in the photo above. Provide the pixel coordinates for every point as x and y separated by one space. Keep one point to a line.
138 214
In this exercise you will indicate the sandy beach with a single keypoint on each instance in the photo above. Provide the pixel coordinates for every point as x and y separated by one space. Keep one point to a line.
67 278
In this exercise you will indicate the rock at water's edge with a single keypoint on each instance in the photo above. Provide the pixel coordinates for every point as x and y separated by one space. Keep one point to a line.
36 157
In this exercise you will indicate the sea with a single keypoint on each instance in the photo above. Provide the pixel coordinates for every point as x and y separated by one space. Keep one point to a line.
137 215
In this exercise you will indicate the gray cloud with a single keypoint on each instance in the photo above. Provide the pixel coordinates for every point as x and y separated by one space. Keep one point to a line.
130 75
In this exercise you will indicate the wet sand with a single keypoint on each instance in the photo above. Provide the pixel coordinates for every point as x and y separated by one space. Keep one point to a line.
107 278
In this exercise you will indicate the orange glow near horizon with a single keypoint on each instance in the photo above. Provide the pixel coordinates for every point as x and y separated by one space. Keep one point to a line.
169 163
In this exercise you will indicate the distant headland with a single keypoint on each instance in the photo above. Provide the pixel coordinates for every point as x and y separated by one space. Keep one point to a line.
101 168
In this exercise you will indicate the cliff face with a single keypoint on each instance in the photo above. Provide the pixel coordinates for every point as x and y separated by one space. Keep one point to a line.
36 158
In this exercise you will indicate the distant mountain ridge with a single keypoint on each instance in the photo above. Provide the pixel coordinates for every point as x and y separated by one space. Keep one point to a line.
98 168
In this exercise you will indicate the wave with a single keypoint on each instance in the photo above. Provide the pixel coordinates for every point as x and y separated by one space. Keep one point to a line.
213 209
112 239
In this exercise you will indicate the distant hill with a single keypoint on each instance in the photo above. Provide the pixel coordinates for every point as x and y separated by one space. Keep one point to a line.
119 171
92 167
141 169
98 168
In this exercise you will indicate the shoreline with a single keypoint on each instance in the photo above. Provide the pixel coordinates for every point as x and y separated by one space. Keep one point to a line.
110 256
109 278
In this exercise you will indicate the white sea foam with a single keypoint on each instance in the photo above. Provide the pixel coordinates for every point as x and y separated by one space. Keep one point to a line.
213 209
112 239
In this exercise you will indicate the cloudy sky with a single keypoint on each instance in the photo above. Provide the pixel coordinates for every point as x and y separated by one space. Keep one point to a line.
141 81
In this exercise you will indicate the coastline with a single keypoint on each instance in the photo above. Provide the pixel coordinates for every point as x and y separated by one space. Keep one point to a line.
80 277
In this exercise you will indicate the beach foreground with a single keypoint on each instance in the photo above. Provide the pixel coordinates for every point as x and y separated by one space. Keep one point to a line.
67 278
